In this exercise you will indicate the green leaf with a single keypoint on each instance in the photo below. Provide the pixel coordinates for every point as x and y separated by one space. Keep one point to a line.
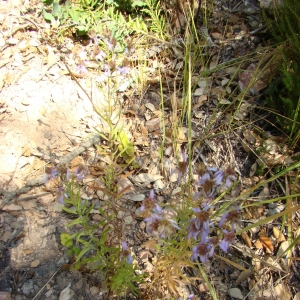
130 149
138 3
56 9
74 222
76 250
70 211
48 17
47 2
66 240
82 253
82 30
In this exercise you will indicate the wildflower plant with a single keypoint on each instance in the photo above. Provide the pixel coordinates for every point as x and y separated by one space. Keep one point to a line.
101 246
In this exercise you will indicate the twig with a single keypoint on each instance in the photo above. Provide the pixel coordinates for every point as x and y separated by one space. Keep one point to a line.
46 283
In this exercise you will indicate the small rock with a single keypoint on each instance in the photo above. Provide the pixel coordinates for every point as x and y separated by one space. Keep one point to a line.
235 293
137 197
28 204
142 225
35 263
150 106
203 288
94 291
49 293
28 289
153 124
128 219
66 294
16 225
46 199
148 267
6 236
12 207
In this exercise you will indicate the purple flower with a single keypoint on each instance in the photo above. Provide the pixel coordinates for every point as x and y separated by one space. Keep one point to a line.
219 175
152 223
100 56
228 174
163 226
181 169
81 69
126 252
150 204
230 216
190 297
202 218
95 39
51 173
203 251
192 230
229 238
208 185
129 50
111 43
123 70
166 227
61 195
68 174
80 172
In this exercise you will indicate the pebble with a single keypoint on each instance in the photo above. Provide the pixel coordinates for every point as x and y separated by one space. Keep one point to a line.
28 288
235 293
142 225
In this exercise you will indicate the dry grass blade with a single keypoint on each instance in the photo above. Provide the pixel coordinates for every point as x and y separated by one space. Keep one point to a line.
232 263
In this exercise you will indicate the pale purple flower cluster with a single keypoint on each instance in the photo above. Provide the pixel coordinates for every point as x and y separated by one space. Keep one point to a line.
126 253
155 219
182 169
63 175
200 226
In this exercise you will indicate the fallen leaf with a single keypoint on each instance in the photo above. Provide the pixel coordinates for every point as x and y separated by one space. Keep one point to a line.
258 245
146 178
76 162
243 276
282 249
233 19
246 239
52 57
251 284
150 106
203 287
282 292
297 296
144 131
26 151
278 234
138 197
151 244
266 242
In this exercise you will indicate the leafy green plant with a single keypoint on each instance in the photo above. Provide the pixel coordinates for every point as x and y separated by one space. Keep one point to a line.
284 93
158 23
90 246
